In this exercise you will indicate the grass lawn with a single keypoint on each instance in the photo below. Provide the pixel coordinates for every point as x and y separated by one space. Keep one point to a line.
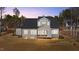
13 43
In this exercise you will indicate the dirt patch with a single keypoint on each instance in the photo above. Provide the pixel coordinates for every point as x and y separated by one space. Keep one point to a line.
13 43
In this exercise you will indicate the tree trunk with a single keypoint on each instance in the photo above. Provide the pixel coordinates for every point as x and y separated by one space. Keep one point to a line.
1 22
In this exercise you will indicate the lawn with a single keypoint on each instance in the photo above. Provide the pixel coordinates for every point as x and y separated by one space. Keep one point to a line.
13 43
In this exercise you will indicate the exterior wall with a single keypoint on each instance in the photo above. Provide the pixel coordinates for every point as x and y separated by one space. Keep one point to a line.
44 31
55 33
32 33
29 33
43 21
18 31
44 27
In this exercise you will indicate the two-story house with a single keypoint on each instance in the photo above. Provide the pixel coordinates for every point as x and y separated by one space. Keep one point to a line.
32 28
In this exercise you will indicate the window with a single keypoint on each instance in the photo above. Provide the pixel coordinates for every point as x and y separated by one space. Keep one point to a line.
55 31
33 32
25 31
42 32
43 22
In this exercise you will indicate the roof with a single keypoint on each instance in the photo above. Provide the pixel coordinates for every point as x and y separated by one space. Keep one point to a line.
31 23
53 22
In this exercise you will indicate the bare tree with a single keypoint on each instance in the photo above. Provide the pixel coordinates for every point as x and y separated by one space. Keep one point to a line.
16 12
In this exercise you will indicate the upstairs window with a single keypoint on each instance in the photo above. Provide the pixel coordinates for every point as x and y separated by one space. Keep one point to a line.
43 22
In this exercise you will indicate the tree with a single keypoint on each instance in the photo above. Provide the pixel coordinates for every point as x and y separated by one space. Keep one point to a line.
1 21
16 17
70 13
21 20
8 20
16 12
66 14
1 12
73 15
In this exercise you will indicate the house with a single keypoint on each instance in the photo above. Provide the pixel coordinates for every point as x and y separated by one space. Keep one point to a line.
32 28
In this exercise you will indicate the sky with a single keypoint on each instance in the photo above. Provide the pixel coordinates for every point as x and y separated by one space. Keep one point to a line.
34 12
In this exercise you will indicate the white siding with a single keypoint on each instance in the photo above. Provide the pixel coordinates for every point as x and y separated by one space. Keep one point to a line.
29 33
25 32
43 21
18 31
55 31
33 32
42 32
39 24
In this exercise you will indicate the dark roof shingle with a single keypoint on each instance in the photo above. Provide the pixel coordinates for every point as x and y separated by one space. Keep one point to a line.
30 23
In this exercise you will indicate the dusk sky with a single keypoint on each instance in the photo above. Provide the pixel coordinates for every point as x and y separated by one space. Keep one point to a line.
34 12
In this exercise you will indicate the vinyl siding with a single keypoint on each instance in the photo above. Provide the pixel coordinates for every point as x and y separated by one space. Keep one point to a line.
18 31
55 33
29 33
